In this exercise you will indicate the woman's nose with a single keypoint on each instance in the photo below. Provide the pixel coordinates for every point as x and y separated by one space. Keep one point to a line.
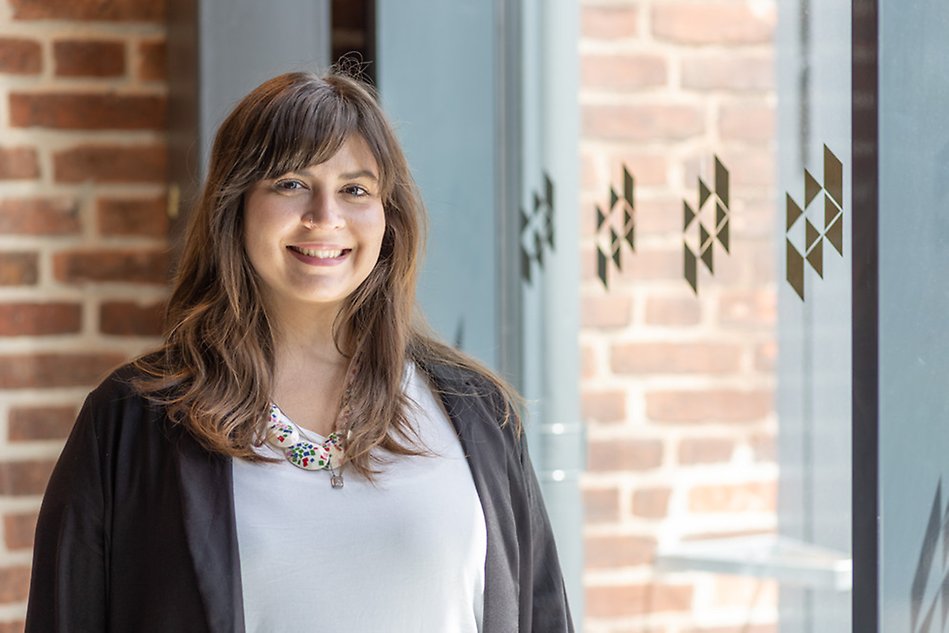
322 212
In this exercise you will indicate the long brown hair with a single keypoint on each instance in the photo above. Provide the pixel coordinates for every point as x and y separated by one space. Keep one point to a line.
214 371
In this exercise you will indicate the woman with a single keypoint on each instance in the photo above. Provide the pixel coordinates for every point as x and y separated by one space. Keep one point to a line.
298 454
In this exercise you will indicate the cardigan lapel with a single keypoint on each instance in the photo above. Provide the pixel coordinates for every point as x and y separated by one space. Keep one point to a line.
207 505
483 445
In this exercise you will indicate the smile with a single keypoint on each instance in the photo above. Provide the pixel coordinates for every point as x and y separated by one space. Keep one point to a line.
319 253
319 256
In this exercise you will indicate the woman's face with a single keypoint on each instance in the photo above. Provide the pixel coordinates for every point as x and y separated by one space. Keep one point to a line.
314 235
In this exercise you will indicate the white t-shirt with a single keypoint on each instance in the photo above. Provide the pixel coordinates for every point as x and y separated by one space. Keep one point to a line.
403 554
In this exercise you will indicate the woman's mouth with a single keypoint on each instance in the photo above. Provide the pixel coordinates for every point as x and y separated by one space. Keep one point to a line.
322 253
319 255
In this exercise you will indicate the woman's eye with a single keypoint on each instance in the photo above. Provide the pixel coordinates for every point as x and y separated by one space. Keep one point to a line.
356 191
289 185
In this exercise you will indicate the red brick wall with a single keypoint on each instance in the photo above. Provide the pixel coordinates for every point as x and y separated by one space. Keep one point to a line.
677 387
83 225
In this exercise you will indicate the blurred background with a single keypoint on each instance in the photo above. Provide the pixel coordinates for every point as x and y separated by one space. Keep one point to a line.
642 215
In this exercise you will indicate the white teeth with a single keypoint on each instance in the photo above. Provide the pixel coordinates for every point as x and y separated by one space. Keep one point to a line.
322 254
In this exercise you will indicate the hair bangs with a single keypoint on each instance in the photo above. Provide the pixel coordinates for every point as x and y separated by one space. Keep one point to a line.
299 136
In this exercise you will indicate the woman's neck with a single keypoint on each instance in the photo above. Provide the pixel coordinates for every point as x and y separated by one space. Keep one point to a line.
309 369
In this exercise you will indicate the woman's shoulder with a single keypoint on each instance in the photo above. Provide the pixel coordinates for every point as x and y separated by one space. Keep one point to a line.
117 394
458 380
467 389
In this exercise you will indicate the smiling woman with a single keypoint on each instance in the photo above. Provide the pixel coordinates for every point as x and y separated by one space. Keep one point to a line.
314 235
299 443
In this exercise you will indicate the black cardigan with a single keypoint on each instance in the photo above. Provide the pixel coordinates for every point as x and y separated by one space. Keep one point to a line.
137 532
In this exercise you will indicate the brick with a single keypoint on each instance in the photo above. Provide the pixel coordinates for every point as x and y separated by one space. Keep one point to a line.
648 264
705 450
766 356
700 406
589 172
749 308
98 10
604 406
14 585
611 311
29 423
19 56
712 22
623 72
738 592
601 505
673 311
651 503
588 264
752 122
623 455
615 551
745 73
747 167
50 370
675 358
18 163
87 111
39 319
153 60
636 599
89 58
643 122
125 318
111 164
130 266
146 217
608 22
587 362
755 496
646 168
24 478
39 216
18 269
18 530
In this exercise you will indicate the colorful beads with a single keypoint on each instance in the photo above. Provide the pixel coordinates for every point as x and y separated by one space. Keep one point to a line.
308 456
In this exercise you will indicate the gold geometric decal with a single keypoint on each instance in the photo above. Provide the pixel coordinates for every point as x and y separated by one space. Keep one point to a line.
614 228
832 222
703 239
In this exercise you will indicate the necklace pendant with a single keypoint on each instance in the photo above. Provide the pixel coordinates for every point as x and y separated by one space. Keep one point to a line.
336 481
281 435
308 456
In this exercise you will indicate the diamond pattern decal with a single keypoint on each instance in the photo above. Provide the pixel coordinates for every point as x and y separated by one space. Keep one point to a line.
537 229
698 236
831 222
615 227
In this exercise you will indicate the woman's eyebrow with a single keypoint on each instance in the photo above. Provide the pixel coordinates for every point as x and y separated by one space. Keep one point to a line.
355 175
